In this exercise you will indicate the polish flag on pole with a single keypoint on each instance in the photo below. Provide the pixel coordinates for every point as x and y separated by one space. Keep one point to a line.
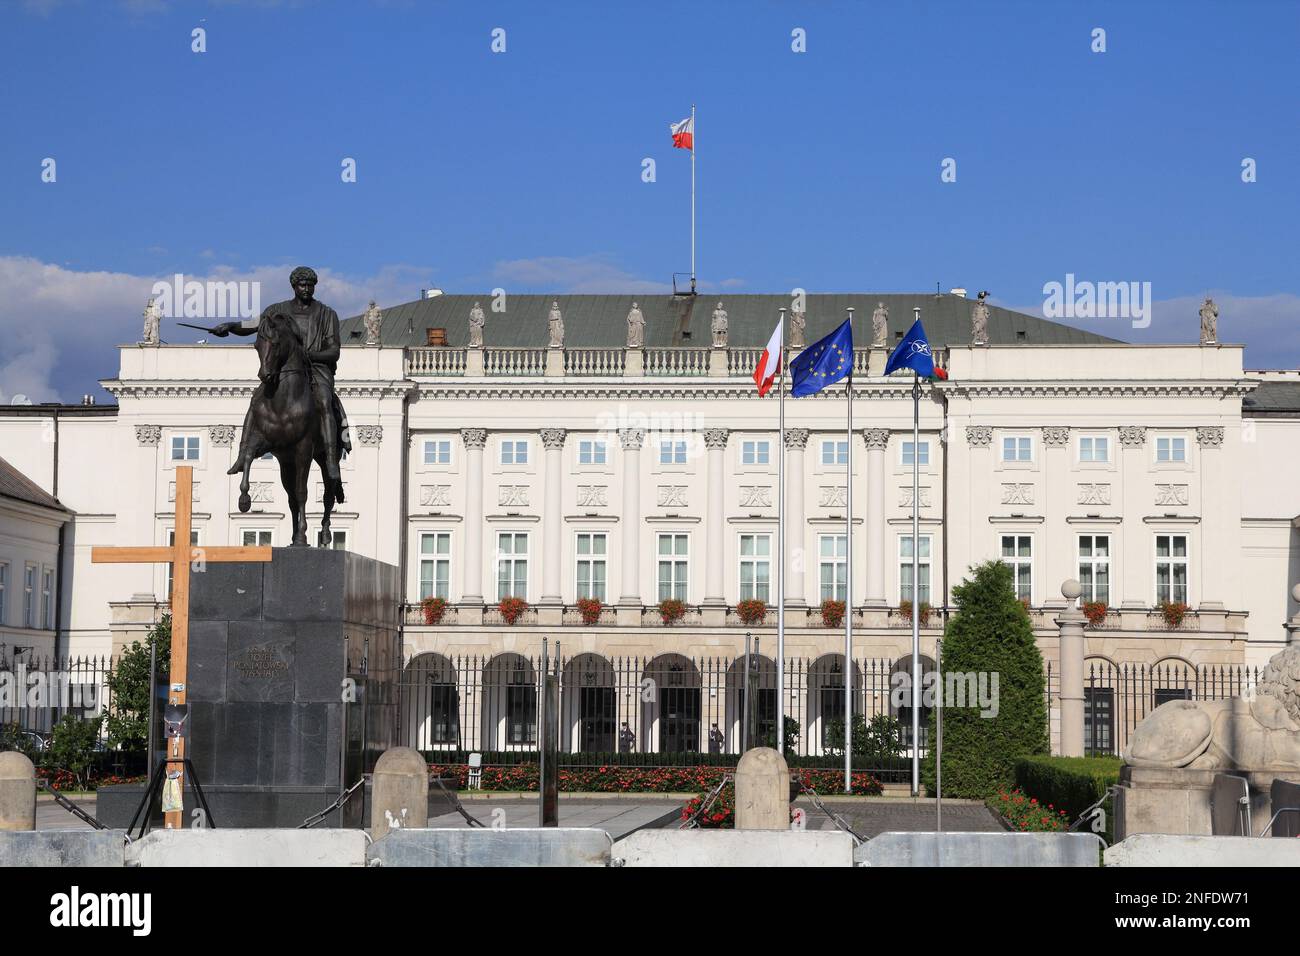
684 133
769 363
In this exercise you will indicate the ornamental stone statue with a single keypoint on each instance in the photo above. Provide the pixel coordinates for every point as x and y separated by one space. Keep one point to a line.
476 321
979 321
798 322
372 320
152 323
719 327
1209 322
635 328
1244 733
879 326
555 326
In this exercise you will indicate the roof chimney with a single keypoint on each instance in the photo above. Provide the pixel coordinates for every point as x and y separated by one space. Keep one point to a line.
430 293
437 336
958 291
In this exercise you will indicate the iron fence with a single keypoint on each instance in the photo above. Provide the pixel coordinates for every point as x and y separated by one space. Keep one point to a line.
36 693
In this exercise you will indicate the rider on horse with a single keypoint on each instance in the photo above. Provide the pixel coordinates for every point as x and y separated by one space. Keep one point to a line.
317 328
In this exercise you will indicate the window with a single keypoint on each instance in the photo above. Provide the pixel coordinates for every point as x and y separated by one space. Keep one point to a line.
185 448
1163 695
1171 568
833 565
905 568
435 565
755 451
1017 448
591 574
47 598
591 451
672 452
521 718
674 557
1171 449
255 537
4 588
1094 448
512 564
756 567
923 458
835 452
1098 720
1094 567
29 597
437 451
171 540
1018 551
338 540
514 452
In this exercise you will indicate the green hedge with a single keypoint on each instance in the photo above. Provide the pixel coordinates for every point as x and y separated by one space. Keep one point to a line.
1071 784
506 758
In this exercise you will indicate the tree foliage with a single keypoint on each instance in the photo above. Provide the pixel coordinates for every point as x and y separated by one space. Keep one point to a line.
128 712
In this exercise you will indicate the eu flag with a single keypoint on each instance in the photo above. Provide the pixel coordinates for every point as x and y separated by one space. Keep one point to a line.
823 363
914 353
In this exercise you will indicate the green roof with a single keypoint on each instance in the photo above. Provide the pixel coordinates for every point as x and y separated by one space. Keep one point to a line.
601 320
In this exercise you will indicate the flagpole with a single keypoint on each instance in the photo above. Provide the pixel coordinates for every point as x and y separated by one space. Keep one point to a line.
916 579
780 547
692 199
848 578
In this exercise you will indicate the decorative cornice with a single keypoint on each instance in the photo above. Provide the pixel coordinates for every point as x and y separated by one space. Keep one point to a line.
877 439
631 438
553 438
715 439
1210 389
1132 436
1209 436
148 434
221 435
796 439
210 389
979 436
370 434
1056 436
474 438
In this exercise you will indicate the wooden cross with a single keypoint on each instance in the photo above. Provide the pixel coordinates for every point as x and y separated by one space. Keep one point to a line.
180 556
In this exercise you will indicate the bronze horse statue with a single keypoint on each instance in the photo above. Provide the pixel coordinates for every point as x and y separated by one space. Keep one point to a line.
284 419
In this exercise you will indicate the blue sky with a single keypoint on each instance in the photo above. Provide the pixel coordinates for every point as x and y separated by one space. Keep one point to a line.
523 169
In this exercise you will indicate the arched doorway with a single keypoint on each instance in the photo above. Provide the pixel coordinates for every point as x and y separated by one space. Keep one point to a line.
588 721
824 732
763 704
900 699
509 703
430 704
670 705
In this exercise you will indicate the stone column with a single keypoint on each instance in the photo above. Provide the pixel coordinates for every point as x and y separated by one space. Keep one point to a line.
1217 579
629 599
1137 568
1071 621
877 442
1055 504
552 543
1293 623
400 792
715 595
474 440
474 365
17 792
796 527
762 791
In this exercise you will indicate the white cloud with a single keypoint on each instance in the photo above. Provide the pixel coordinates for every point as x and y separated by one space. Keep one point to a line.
59 327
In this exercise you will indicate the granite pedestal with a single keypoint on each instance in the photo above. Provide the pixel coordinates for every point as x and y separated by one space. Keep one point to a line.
293 670
1181 801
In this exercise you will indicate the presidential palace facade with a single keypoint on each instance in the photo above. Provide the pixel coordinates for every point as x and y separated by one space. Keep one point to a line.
1156 476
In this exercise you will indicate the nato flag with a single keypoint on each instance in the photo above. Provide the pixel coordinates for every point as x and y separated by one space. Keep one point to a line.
823 363
913 352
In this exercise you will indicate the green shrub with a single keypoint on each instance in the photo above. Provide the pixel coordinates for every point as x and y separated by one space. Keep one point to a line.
128 683
1071 784
73 748
990 633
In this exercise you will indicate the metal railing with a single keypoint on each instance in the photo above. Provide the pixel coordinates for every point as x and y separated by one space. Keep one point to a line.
38 692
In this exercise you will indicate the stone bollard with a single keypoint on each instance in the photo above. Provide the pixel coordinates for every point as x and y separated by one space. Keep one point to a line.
17 792
762 791
1071 622
399 792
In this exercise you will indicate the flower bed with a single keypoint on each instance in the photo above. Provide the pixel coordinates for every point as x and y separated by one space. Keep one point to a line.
1025 813
66 780
611 779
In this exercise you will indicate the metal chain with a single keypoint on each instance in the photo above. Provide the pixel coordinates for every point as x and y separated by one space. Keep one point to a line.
456 804
344 797
835 818
706 804
71 807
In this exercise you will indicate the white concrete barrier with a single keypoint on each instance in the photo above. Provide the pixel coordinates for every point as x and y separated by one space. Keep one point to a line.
979 849
714 848
211 847
105 848
1162 849
537 846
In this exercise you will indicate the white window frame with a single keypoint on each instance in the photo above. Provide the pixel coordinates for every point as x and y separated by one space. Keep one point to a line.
257 534
1092 442
436 446
1170 461
337 535
1093 562
1185 562
590 560
679 452
514 444
593 448
186 438
432 559
754 560
47 598
1018 438
903 447
169 536
754 449
29 595
837 562
682 583
1016 561
4 590
833 443
925 569
513 559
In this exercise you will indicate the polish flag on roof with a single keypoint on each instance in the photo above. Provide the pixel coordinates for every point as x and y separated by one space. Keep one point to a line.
684 134
769 363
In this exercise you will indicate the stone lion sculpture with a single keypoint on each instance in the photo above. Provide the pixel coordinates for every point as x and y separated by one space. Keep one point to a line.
1243 733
